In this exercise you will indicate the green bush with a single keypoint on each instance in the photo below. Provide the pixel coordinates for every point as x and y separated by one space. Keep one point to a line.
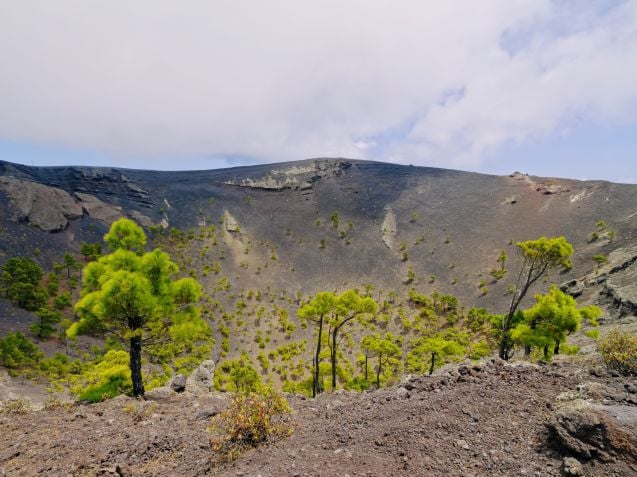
18 351
619 352
108 378
237 375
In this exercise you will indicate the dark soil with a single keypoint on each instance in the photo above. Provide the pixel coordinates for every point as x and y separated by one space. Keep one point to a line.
484 421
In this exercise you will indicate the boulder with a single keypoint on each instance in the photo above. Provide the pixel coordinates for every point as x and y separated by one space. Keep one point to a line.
572 467
47 208
178 383
591 432
160 394
201 379
99 210
140 218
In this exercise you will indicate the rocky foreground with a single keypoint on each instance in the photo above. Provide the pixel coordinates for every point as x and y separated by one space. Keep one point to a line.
489 419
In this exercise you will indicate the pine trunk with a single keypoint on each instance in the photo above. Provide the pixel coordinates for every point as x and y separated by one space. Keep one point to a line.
136 365
316 388
333 358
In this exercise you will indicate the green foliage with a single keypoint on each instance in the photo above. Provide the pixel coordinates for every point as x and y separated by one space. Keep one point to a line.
17 351
47 318
62 301
91 251
446 347
250 420
70 263
137 297
53 284
108 378
126 235
600 258
316 311
477 318
20 279
386 349
619 352
334 219
238 375
593 334
480 349
553 317
546 253
539 257
411 276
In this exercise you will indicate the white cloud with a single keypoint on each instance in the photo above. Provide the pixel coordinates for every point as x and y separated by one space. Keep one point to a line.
411 81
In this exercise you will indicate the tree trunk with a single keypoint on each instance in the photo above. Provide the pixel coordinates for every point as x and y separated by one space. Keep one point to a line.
503 350
433 363
365 367
136 365
546 351
316 388
527 350
380 364
333 357
556 350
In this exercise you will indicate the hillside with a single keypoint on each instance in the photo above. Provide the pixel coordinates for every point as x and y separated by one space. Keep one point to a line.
452 224
286 231
435 249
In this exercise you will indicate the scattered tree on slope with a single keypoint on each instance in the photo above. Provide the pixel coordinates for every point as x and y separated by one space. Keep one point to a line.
553 317
539 257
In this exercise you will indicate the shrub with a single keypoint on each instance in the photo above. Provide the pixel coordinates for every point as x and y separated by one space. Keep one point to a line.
237 375
16 351
619 352
16 406
54 403
106 379
600 259
250 419
594 334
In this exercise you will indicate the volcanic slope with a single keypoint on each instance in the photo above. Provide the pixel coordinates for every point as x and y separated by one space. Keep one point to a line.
327 223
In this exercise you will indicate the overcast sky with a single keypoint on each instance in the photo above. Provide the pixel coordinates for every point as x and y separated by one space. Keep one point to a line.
544 87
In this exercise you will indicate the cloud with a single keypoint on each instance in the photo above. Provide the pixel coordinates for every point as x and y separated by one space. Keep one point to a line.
419 82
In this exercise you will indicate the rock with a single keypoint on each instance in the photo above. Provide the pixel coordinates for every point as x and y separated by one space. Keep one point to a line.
208 413
461 443
201 379
388 228
178 383
572 467
99 210
630 388
163 393
294 177
589 432
402 393
48 208
141 219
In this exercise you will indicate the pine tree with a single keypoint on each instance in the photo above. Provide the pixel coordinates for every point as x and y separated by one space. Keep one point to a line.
539 257
553 317
316 311
134 296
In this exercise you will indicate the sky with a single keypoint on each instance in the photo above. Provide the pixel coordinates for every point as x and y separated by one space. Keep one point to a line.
538 86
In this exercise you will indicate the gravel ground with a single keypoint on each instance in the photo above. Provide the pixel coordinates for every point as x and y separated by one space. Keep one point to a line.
486 420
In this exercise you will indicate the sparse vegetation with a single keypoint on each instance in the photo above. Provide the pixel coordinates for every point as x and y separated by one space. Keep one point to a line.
619 352
251 419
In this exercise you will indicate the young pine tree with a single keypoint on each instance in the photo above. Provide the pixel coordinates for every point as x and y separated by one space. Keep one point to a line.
135 296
